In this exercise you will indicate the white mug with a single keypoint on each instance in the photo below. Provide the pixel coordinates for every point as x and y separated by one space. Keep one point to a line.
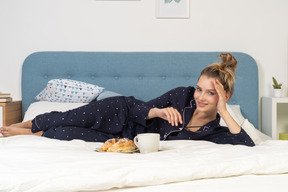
147 142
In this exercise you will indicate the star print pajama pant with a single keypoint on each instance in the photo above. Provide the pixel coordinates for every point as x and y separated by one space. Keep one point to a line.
95 122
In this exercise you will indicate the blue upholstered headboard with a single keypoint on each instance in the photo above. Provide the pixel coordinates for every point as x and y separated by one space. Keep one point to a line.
144 75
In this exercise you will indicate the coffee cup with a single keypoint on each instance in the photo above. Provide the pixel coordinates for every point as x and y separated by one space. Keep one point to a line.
147 142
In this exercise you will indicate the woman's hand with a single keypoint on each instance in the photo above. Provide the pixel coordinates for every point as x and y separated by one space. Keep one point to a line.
233 127
170 114
223 96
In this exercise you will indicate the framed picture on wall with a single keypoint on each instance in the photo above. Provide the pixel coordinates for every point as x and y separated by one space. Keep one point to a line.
173 8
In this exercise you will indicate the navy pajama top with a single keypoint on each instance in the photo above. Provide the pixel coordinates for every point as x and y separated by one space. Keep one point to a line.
126 117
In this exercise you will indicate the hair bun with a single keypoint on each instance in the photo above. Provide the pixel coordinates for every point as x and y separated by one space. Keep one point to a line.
228 60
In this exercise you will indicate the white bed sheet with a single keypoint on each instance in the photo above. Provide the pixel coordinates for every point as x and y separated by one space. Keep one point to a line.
32 163
249 183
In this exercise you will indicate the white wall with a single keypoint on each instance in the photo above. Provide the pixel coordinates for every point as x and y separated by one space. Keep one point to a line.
256 27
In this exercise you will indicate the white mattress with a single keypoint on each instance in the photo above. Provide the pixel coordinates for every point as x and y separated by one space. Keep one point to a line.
249 183
33 163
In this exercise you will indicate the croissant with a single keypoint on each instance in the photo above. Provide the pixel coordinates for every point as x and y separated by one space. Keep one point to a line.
118 145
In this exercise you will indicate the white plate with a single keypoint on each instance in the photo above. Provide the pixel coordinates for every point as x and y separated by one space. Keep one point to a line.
134 151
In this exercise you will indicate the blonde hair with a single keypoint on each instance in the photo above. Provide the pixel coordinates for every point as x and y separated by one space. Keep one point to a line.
224 71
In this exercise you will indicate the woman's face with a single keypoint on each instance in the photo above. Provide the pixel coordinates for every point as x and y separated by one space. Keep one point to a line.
205 94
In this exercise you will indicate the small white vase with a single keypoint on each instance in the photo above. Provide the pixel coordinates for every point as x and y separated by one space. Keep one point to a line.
277 92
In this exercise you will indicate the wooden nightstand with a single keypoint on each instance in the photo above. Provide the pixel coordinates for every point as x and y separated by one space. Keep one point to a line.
274 116
10 113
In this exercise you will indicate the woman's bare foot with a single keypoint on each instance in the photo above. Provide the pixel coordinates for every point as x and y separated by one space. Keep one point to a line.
11 131
25 124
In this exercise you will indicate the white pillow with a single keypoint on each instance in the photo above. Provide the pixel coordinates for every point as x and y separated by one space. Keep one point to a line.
106 94
256 136
67 90
237 111
232 113
41 107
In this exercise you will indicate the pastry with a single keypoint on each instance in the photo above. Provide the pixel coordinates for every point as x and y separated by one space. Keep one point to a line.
108 144
119 145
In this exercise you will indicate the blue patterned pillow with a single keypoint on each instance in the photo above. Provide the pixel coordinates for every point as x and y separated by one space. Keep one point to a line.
67 90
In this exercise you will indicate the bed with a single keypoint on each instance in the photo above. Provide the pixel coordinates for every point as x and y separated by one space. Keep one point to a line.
33 163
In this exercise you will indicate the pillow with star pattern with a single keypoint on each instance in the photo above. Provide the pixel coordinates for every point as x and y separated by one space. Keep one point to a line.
69 91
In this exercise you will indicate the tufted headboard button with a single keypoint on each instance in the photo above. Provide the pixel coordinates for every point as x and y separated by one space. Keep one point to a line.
93 77
164 77
116 77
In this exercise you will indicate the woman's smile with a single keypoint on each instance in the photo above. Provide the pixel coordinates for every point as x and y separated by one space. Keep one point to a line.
201 104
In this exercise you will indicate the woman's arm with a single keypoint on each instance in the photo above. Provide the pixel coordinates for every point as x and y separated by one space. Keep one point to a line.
232 125
161 106
170 114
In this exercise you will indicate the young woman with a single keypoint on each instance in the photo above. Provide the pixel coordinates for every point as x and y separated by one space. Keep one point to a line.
182 113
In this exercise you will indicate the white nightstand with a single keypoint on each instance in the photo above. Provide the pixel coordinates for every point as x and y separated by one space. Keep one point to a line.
274 116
